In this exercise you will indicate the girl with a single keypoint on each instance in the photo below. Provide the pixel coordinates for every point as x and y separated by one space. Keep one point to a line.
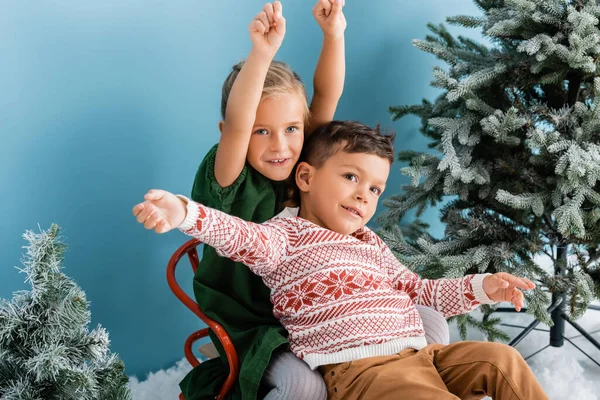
265 117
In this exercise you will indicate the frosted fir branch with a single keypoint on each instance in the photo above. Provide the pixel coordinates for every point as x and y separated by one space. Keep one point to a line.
43 254
466 21
534 45
581 294
554 77
537 305
556 8
48 362
19 389
456 266
437 50
475 81
500 125
443 80
569 218
523 201
474 103
401 111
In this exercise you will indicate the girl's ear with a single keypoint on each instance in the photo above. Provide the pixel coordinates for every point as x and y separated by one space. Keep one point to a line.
221 124
304 173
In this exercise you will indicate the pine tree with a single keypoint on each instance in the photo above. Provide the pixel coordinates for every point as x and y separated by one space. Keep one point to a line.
515 139
46 350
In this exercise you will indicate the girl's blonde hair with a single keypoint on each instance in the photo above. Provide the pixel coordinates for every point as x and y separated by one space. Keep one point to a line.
280 79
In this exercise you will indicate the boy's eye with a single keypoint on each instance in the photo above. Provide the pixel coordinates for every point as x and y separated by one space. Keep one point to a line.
261 131
376 190
351 177
291 129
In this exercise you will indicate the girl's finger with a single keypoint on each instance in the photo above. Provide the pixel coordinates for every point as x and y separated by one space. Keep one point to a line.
268 10
325 7
262 17
257 26
277 9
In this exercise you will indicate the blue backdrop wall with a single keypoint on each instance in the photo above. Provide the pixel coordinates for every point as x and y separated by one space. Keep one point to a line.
102 100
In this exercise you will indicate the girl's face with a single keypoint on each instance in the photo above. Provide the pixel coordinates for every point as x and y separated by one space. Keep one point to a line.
277 135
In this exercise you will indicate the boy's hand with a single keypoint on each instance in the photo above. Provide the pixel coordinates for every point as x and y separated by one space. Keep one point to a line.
503 286
267 29
330 17
162 211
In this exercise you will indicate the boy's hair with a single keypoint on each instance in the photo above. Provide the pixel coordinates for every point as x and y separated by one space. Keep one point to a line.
348 136
280 79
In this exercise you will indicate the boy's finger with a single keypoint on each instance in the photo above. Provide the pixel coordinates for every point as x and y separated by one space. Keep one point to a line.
161 226
519 282
154 194
529 283
145 213
517 299
498 282
151 221
137 209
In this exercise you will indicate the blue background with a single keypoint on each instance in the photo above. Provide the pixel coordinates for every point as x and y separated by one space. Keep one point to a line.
102 100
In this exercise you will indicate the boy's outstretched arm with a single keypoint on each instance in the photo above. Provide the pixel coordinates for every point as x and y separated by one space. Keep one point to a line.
267 31
330 72
259 246
460 295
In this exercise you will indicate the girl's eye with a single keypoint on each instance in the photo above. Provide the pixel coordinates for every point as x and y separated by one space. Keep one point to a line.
291 129
376 190
261 131
351 177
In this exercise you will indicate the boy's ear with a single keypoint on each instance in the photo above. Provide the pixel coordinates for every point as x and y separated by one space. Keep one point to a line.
221 124
304 173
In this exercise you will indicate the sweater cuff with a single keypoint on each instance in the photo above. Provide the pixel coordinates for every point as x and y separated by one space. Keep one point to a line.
191 216
477 285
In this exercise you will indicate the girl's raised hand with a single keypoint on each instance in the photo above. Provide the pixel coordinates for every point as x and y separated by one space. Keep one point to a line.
161 211
330 17
267 29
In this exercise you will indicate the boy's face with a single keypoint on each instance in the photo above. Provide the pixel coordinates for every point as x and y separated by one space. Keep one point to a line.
277 135
342 195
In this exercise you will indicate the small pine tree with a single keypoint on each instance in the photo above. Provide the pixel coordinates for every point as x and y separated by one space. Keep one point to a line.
517 127
46 350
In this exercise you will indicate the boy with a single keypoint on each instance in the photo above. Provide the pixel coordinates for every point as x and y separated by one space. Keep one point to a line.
346 301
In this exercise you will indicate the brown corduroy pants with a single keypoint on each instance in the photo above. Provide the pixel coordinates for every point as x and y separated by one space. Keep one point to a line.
462 370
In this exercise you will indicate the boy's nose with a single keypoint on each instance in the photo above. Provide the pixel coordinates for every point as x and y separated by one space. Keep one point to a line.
360 195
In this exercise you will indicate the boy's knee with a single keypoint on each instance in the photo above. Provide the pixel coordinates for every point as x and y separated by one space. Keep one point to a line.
505 355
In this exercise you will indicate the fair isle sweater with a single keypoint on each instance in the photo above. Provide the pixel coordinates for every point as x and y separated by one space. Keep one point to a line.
340 297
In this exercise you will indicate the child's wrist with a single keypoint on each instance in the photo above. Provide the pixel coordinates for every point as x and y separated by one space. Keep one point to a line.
333 37
261 55
189 209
